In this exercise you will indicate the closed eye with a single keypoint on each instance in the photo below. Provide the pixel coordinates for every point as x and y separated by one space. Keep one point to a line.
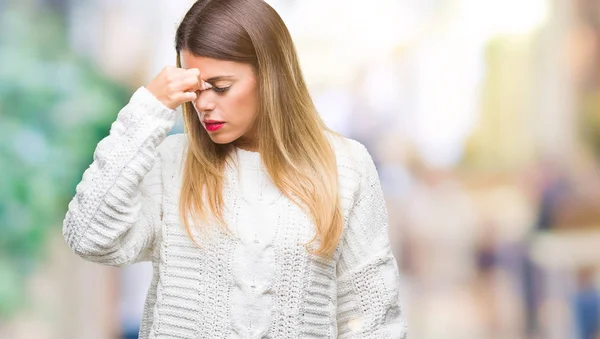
220 89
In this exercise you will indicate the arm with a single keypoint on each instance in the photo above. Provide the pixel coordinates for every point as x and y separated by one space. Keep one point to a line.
367 272
117 207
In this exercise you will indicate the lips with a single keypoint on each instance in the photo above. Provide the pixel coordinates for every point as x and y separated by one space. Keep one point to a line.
213 125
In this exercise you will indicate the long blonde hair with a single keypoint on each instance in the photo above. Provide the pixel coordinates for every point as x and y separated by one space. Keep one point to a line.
293 143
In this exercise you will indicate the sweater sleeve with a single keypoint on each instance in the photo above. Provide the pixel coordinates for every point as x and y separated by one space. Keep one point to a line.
367 273
117 208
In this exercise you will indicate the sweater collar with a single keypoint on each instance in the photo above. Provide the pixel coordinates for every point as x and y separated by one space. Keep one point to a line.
248 159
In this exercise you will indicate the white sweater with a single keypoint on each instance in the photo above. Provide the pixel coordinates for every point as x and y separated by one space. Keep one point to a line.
259 282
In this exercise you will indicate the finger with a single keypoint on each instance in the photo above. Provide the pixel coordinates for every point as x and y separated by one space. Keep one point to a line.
171 74
188 82
195 73
185 97
201 84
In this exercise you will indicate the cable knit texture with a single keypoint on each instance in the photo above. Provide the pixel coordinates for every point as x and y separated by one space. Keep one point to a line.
257 282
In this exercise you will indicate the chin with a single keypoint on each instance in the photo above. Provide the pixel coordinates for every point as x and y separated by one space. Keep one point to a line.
221 139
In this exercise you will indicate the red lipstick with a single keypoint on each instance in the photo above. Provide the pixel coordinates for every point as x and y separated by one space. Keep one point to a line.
213 125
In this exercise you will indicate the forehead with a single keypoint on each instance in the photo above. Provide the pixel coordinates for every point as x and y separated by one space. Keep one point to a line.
210 67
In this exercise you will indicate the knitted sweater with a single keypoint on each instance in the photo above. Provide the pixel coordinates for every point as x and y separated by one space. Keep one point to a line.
258 281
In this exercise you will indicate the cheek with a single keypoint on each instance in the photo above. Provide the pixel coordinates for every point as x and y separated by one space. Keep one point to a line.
243 107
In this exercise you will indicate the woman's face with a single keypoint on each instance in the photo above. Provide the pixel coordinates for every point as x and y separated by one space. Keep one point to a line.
228 109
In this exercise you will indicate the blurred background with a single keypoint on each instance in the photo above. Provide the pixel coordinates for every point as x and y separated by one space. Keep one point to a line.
483 117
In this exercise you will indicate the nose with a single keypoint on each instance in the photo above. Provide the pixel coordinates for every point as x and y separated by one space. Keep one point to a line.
204 102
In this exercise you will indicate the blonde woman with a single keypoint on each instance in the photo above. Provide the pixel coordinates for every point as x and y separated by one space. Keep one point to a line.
258 220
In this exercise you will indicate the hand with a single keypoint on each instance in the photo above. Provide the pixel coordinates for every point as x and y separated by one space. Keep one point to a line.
173 86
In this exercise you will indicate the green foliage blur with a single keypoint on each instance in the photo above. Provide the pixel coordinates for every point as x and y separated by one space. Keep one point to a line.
54 108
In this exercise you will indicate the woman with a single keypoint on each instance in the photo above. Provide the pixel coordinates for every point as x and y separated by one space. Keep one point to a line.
258 220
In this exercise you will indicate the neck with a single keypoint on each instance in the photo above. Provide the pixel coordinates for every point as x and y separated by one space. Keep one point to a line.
246 146
247 143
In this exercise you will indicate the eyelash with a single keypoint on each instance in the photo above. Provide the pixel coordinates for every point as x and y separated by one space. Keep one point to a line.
220 89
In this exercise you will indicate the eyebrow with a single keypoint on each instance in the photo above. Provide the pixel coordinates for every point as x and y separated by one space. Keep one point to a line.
220 78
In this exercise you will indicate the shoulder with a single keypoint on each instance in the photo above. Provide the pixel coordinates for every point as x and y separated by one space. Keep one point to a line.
351 155
356 169
173 141
171 149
